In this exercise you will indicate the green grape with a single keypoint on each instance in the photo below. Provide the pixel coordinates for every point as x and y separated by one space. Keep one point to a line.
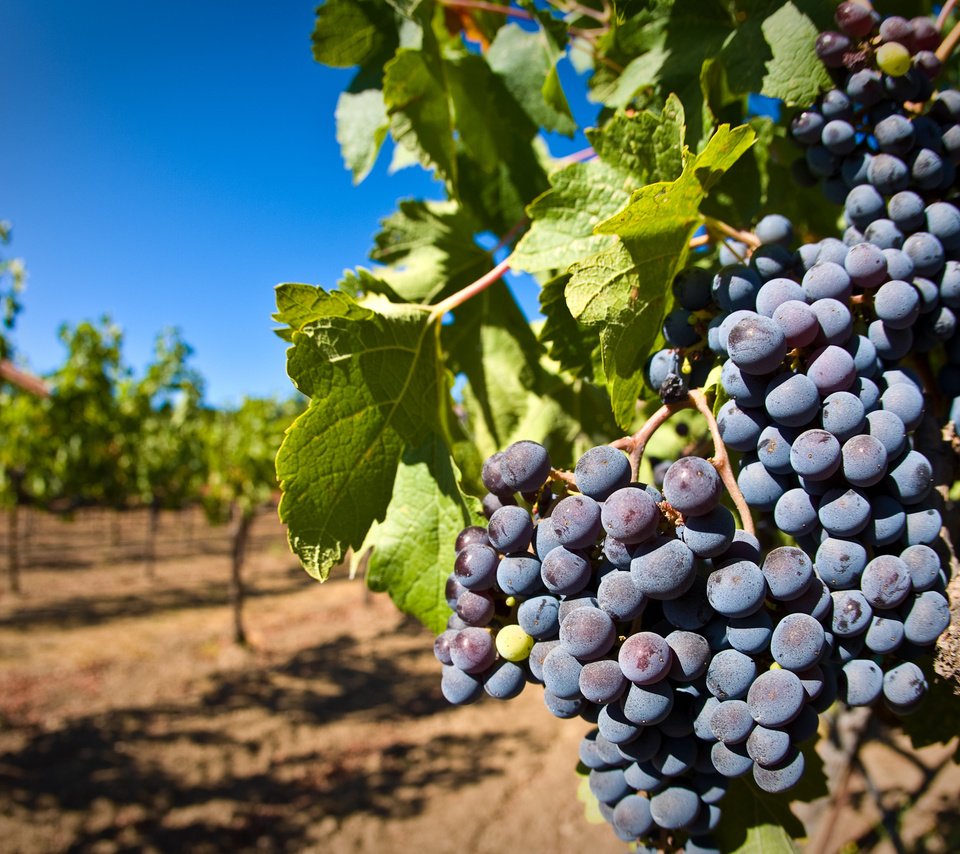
513 643
893 59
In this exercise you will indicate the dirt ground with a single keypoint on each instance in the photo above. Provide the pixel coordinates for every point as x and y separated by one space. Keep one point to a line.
128 722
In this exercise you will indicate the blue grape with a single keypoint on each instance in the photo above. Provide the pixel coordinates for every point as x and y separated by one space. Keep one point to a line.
619 596
851 613
923 526
726 324
644 777
782 776
832 369
773 448
675 807
459 688
643 748
775 293
732 252
472 650
505 681
747 390
518 574
815 454
645 658
731 722
676 756
775 228
631 816
609 785
899 265
771 261
927 169
775 698
788 572
648 705
691 287
792 400
692 486
824 280
843 414
863 205
864 86
561 674
708 535
839 137
601 471
923 564
949 288
660 367
476 566
884 233
897 304
885 633
538 654
691 653
756 344
510 529
576 521
906 400
834 319
943 222
736 287
614 725
807 126
888 428
885 581
853 171
797 642
795 512
926 252
815 601
524 466
867 390
730 674
736 590
799 323
598 752
832 249
767 746
703 709
926 618
740 427
895 134
750 635
631 515
663 569
864 460
678 329
539 617
587 633
731 760
866 265
889 174
761 489
906 209
602 681
475 608
910 478
904 686
841 562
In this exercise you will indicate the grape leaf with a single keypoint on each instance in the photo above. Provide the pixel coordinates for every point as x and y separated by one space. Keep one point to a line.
632 151
570 344
362 126
753 822
353 32
372 375
421 119
607 290
412 554
430 250
772 53
526 62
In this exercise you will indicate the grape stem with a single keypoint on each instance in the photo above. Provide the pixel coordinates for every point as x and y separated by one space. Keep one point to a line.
945 13
949 43
747 237
721 461
576 157
638 441
460 297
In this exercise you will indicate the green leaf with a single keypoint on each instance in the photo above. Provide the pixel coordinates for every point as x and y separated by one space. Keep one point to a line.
772 53
632 150
412 547
570 344
526 62
372 375
351 32
756 823
608 289
421 118
430 250
362 126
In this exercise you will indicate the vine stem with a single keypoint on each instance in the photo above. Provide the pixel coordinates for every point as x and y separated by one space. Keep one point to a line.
747 237
481 6
721 461
637 443
576 157
945 13
949 43
471 290
509 237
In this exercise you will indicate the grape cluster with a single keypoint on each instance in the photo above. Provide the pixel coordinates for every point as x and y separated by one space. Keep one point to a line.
700 652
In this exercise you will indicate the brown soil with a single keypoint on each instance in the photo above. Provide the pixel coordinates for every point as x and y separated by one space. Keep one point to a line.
128 722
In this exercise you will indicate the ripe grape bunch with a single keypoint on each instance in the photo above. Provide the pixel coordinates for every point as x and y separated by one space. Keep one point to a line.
701 648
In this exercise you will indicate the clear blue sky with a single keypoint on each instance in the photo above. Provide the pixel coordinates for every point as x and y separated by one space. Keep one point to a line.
168 164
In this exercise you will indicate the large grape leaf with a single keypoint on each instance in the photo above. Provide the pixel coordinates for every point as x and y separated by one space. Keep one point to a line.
755 823
412 548
569 343
527 63
362 126
430 250
353 32
772 53
374 381
624 290
632 151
